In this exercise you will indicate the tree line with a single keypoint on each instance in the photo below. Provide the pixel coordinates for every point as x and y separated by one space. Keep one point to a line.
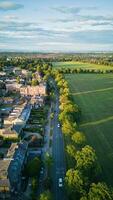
83 178
71 70
93 58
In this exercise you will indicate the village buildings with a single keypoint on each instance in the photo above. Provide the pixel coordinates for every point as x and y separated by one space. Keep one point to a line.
39 90
11 169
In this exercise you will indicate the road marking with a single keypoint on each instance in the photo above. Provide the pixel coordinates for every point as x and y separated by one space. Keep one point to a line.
60 168
62 173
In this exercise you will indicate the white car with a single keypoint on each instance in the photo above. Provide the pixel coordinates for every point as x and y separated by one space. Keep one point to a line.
58 125
42 170
60 182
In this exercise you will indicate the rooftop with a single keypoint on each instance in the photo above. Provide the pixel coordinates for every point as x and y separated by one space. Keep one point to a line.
11 150
16 164
7 132
4 183
4 164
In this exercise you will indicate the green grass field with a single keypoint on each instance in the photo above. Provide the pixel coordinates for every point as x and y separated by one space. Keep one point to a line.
73 64
94 94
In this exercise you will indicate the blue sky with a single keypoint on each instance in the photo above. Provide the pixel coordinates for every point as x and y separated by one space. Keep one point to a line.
53 26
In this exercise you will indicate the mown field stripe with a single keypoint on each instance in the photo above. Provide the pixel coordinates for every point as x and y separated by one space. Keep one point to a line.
91 91
97 122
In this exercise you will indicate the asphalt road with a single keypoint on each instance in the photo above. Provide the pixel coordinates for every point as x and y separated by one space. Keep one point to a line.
59 167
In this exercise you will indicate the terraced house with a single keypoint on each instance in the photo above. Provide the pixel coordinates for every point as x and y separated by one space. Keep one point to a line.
39 90
11 169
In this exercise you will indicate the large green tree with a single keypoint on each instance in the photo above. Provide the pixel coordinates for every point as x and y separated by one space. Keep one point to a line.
46 196
71 150
33 167
86 160
99 191
34 184
34 82
48 160
74 184
68 128
79 139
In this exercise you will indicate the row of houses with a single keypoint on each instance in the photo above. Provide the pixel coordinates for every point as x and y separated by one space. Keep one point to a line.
8 133
11 169
10 84
39 90
14 123
16 70
12 166
16 112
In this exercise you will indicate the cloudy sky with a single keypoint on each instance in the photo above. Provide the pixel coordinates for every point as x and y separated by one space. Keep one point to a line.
62 25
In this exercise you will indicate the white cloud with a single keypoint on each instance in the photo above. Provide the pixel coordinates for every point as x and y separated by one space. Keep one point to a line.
10 18
59 32
8 5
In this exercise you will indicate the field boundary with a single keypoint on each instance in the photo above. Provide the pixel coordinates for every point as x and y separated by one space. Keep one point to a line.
97 122
91 91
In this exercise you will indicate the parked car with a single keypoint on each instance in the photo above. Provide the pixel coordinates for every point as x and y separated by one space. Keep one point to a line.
60 182
42 170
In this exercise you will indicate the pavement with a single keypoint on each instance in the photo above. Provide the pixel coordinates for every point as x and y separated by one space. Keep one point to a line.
46 148
59 167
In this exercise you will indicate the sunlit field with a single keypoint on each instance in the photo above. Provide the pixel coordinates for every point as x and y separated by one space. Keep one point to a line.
73 64
94 95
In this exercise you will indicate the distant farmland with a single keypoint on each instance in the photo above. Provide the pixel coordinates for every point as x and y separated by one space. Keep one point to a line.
82 65
94 95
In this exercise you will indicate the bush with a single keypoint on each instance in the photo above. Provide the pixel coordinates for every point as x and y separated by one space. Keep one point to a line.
33 167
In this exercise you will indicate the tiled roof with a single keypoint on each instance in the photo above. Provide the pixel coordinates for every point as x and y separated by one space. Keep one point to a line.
17 162
4 164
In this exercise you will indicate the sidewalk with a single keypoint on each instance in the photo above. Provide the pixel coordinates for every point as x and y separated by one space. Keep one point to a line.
46 148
